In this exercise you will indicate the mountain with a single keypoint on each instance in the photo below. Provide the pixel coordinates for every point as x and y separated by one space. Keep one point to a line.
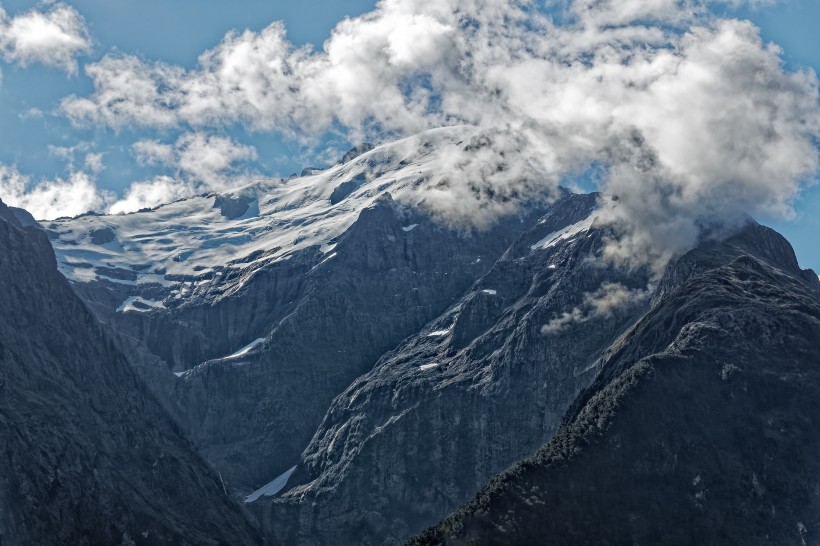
268 311
356 365
88 455
476 390
701 427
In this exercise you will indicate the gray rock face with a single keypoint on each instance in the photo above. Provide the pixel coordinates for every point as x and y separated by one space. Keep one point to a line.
346 188
233 206
24 217
325 318
102 236
88 456
700 429
391 273
442 413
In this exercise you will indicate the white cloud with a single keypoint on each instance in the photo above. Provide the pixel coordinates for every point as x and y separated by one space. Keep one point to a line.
200 163
49 199
148 194
208 162
93 162
694 116
54 37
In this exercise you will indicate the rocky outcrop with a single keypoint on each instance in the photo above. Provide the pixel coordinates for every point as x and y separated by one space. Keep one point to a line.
700 429
88 455
233 206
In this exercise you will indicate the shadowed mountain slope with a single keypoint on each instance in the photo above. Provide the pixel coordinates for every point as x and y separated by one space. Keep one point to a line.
88 456
700 429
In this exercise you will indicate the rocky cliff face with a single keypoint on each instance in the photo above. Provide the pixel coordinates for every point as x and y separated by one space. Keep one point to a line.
88 455
389 274
479 388
701 427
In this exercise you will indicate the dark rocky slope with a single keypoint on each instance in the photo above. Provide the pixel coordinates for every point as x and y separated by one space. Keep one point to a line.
87 455
393 271
700 429
476 390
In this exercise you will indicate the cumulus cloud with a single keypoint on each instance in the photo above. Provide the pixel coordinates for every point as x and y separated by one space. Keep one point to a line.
693 118
200 163
55 37
49 199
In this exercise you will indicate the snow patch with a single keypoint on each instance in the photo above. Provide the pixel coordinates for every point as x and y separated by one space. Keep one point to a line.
439 333
329 257
410 228
130 305
246 349
426 367
271 488
564 234
490 292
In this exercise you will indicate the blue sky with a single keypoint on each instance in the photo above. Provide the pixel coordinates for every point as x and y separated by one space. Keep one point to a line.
36 136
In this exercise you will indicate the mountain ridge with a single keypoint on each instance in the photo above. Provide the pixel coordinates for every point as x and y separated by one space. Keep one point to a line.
745 329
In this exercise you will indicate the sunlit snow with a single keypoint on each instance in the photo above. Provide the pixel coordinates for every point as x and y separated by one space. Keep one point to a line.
562 235
176 246
246 349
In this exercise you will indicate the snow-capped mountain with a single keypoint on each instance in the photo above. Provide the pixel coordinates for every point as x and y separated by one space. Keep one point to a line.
210 245
356 365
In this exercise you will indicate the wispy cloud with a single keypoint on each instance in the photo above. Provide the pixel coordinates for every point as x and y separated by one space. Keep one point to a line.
609 299
200 162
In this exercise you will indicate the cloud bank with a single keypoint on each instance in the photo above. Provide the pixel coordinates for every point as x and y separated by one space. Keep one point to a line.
55 37
693 119
48 199
200 163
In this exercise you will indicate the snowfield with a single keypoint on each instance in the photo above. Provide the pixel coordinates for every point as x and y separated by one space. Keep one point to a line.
181 247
